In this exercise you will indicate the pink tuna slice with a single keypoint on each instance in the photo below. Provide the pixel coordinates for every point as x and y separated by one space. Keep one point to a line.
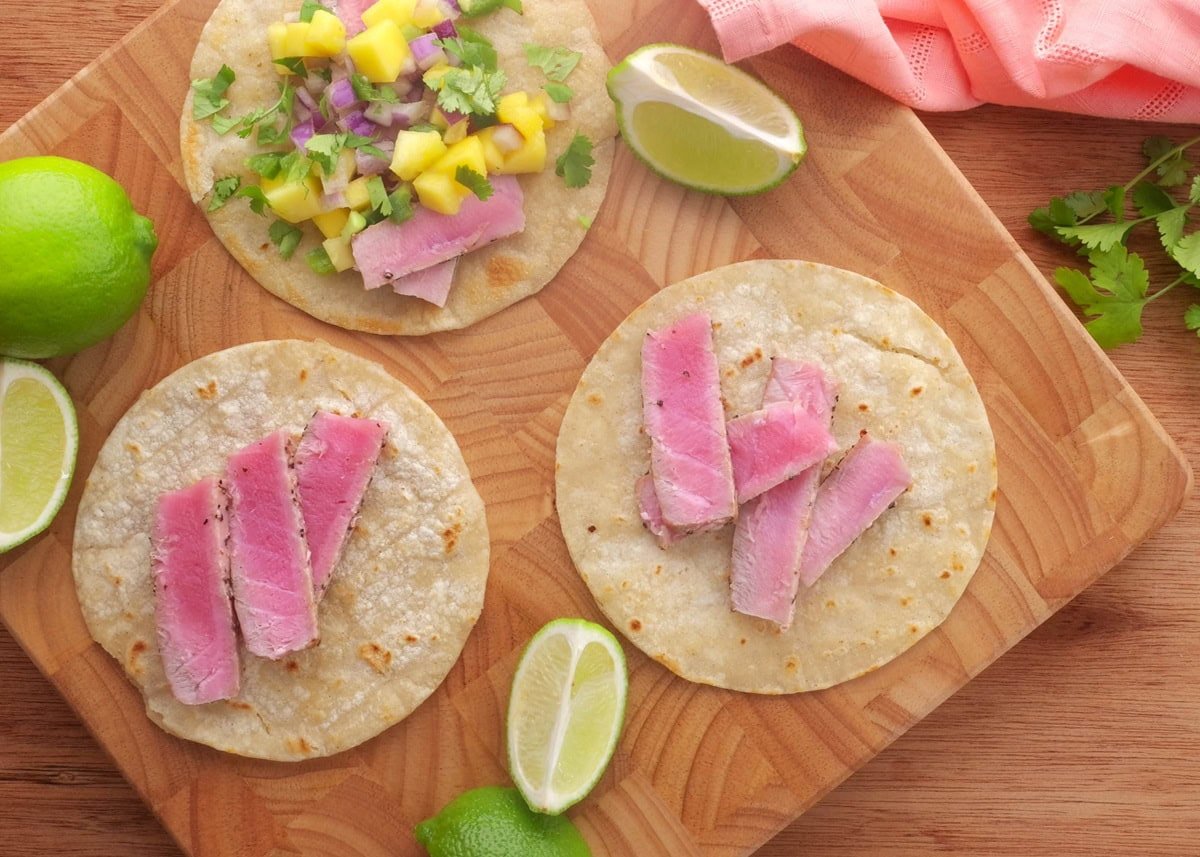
334 464
350 11
431 284
272 576
388 251
773 527
775 444
651 514
866 482
190 568
681 408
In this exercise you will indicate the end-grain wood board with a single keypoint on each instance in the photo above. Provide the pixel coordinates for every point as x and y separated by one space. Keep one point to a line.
1085 471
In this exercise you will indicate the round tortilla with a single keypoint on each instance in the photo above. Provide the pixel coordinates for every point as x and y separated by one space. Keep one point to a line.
486 280
900 378
405 595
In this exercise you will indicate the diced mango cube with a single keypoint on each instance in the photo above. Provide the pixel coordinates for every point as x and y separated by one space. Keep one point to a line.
398 11
358 196
439 192
530 158
326 35
515 109
380 52
415 152
457 132
492 154
295 201
468 153
331 223
340 253
541 106
295 37
427 15
277 38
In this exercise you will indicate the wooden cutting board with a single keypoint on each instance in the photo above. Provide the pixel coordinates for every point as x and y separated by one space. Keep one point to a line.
1085 472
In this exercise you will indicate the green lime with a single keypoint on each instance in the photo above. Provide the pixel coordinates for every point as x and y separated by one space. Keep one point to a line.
704 124
74 257
495 822
39 438
565 712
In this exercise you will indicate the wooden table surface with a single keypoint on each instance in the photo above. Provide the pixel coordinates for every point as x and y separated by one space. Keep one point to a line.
1082 740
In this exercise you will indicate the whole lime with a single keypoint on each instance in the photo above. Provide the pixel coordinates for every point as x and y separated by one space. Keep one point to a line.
495 822
74 257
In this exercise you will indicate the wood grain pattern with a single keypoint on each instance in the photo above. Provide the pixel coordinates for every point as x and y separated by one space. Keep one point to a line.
187 316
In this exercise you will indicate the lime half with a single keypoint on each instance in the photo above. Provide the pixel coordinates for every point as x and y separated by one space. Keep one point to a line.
39 438
702 123
495 822
565 713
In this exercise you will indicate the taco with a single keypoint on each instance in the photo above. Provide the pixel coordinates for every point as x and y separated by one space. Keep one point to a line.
896 518
379 232
395 611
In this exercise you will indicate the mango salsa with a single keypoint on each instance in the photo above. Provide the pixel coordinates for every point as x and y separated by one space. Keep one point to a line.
415 152
515 109
294 201
358 197
380 52
439 192
468 153
399 12
340 253
427 16
331 223
326 35
492 155
530 158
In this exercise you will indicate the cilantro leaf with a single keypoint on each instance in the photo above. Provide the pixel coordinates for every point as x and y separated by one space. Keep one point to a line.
468 90
364 90
555 63
559 92
258 199
1114 201
1187 253
224 124
325 150
286 237
1191 318
1115 294
210 93
1086 204
381 203
266 164
293 64
1058 213
1171 165
401 201
318 259
1171 224
1150 199
310 8
575 164
473 181
1097 236
1194 192
471 48
223 190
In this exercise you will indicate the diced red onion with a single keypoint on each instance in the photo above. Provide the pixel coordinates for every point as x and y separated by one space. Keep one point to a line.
359 124
450 8
402 87
507 138
445 29
306 98
331 201
302 113
426 51
370 165
380 113
302 133
315 84
341 95
558 112
453 118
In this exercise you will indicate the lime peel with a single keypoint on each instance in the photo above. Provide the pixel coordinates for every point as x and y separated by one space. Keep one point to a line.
45 484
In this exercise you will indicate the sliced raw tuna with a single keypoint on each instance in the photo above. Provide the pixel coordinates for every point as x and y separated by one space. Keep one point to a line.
431 284
651 514
866 482
681 407
773 527
387 251
774 444
350 11
190 568
334 464
272 577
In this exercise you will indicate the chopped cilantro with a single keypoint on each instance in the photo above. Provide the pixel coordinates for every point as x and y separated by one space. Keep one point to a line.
364 90
425 128
555 63
258 199
468 90
559 92
266 164
471 48
293 64
318 259
210 93
575 164
223 190
311 7
381 203
473 181
401 202
325 150
286 237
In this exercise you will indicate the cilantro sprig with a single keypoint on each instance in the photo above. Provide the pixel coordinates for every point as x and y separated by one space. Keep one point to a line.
468 89
1116 289
575 164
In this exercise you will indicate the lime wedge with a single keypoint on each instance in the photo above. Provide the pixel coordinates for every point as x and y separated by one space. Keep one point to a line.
38 442
704 124
565 713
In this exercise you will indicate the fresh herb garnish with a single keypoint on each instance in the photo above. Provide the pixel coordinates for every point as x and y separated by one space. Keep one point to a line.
555 63
210 99
364 90
401 202
473 181
324 150
468 90
258 199
286 237
584 221
471 48
223 190
266 164
575 164
311 7
293 64
381 203
1117 288
318 259
559 92
475 8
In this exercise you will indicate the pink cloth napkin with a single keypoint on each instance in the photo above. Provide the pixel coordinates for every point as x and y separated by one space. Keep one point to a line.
1132 59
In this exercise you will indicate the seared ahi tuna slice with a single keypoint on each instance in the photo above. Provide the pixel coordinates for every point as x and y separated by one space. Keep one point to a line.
775 444
432 284
772 528
681 407
334 464
866 482
651 514
388 251
190 567
272 577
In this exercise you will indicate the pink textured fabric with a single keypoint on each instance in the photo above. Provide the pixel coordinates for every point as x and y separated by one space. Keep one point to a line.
1131 59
